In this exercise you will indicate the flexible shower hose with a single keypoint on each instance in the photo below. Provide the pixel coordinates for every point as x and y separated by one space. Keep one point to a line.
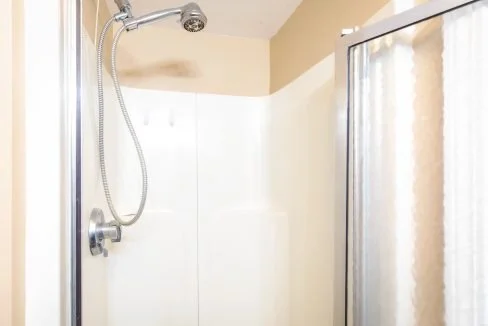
101 113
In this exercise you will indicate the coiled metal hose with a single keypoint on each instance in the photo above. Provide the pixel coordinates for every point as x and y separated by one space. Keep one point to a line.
101 113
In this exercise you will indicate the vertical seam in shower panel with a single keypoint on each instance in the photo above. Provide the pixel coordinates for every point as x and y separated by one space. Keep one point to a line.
197 207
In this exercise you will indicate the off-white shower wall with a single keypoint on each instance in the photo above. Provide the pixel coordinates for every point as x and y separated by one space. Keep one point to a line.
210 246
237 229
94 271
300 156
238 226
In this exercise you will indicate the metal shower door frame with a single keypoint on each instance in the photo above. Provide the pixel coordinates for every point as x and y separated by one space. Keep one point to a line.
71 133
344 160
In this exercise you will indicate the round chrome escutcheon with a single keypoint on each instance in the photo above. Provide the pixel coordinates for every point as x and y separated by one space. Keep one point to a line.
96 241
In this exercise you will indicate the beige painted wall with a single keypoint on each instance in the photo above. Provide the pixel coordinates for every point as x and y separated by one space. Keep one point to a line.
18 168
158 58
11 167
6 166
90 16
90 19
310 35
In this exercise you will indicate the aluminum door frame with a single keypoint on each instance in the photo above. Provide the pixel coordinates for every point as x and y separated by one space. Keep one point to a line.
71 133
344 201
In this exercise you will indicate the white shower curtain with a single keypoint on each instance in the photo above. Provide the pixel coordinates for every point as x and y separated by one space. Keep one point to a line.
465 67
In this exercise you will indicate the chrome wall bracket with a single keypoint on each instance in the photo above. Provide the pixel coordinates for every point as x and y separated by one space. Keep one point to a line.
99 231
125 10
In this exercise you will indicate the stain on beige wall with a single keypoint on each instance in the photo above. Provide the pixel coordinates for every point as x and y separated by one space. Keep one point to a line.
157 58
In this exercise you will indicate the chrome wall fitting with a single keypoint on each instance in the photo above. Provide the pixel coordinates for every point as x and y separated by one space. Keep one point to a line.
99 230
124 6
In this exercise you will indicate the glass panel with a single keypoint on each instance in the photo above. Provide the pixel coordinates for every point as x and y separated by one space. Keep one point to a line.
420 233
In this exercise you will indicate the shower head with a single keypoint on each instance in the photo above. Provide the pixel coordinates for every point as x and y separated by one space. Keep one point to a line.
192 18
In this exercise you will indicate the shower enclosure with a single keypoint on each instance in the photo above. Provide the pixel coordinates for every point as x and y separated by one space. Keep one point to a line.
360 206
234 227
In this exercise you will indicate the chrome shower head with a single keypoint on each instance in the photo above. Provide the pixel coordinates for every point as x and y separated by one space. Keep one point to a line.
192 18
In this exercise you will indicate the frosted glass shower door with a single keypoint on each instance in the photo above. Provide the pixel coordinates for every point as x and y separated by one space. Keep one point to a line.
418 171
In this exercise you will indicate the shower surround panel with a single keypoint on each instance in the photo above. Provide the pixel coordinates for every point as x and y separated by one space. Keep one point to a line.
209 247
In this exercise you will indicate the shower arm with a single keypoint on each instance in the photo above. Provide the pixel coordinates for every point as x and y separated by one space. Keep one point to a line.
134 23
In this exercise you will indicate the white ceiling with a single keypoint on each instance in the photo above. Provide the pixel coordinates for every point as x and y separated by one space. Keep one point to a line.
246 18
